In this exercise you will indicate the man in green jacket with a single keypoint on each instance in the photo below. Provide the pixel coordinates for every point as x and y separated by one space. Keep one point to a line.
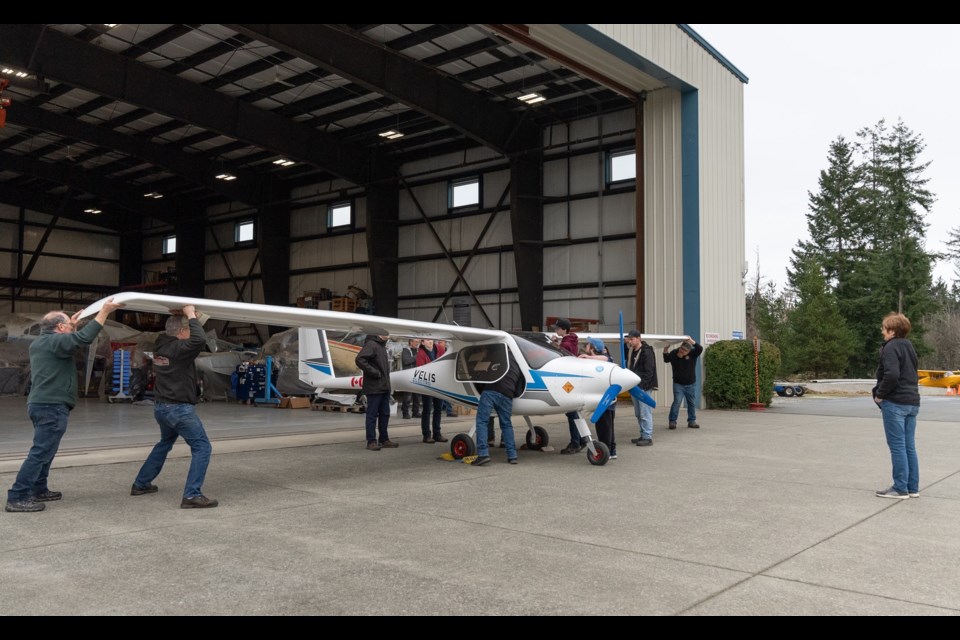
53 394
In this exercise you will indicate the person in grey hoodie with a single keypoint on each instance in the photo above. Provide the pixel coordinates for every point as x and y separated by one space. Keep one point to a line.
175 397
53 394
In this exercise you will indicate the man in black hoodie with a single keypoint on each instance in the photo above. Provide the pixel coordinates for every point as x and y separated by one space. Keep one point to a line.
375 365
175 392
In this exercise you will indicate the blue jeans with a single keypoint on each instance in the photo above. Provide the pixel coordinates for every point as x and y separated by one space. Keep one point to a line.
681 391
900 425
378 416
644 413
178 419
503 405
49 425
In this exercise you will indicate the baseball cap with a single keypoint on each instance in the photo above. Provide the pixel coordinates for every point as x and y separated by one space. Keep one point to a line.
634 334
597 344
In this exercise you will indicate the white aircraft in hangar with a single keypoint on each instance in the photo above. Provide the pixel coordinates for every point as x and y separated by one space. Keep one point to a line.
556 382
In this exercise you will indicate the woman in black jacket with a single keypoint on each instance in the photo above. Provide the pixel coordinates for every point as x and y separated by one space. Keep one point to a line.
898 396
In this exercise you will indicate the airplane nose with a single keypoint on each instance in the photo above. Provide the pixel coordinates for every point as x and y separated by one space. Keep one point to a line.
624 377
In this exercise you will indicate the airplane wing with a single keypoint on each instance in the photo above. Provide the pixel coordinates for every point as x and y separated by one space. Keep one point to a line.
655 340
297 317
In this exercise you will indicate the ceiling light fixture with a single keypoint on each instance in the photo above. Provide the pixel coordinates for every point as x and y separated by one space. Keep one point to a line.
531 98
391 134
153 194
226 176
93 211
283 162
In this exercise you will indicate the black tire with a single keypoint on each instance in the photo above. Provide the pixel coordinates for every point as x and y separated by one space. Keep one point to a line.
781 393
537 438
601 456
788 391
799 391
461 446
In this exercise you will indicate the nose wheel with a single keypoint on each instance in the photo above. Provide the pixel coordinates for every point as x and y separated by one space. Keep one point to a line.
600 454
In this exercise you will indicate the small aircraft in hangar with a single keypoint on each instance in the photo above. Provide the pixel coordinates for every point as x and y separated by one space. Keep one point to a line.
556 382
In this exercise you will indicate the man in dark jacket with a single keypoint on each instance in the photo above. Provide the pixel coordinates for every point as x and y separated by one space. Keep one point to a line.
375 365
683 359
53 394
175 397
642 361
499 396
408 360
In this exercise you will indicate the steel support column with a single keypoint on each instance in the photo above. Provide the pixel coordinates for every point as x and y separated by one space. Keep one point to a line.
526 221
383 246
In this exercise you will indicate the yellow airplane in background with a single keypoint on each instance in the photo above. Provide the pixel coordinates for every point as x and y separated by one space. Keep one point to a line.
934 378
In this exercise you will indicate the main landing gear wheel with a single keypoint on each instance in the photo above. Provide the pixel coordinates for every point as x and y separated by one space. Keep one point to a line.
601 456
462 445
788 391
537 438
799 391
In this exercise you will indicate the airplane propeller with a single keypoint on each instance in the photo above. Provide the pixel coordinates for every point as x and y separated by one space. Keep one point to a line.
609 397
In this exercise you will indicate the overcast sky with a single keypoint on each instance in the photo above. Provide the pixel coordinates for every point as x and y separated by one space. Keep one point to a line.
810 84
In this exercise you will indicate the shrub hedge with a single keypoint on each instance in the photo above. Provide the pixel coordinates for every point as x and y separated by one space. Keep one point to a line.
729 381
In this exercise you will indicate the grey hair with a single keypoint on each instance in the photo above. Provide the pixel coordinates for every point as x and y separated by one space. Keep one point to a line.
52 319
174 323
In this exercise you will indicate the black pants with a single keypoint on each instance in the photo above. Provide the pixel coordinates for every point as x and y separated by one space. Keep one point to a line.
431 405
406 399
605 430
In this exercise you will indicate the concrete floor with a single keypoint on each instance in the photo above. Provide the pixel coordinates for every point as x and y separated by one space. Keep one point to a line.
756 513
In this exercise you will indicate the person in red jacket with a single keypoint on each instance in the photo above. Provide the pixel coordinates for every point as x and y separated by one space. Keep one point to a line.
427 353
568 341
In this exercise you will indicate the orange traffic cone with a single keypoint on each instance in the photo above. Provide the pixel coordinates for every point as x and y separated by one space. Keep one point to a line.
951 391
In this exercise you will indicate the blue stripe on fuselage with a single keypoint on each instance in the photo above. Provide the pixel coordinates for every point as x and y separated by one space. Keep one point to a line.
540 383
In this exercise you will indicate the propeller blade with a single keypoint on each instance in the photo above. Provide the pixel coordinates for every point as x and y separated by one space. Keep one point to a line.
643 397
609 396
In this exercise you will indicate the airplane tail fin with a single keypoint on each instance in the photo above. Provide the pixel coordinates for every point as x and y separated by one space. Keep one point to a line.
315 361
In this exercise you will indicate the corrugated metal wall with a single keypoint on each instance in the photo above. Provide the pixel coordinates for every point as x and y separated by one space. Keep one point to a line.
721 180
75 255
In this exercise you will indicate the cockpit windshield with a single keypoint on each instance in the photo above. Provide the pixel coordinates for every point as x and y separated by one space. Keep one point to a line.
537 349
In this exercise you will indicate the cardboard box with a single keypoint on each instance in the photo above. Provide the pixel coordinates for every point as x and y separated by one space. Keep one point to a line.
294 402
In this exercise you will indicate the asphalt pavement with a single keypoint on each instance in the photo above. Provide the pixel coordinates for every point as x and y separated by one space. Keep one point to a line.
756 513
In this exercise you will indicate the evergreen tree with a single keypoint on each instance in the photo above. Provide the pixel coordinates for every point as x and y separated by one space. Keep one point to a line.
819 342
835 237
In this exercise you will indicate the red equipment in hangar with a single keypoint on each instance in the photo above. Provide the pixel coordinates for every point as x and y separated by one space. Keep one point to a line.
4 102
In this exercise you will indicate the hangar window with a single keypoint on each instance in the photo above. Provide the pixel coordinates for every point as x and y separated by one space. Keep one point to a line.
169 245
340 216
621 166
243 232
463 194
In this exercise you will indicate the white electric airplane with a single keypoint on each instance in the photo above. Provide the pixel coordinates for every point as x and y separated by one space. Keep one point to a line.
556 382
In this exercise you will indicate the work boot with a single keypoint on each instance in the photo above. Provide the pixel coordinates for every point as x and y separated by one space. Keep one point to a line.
23 506
198 502
141 491
47 496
